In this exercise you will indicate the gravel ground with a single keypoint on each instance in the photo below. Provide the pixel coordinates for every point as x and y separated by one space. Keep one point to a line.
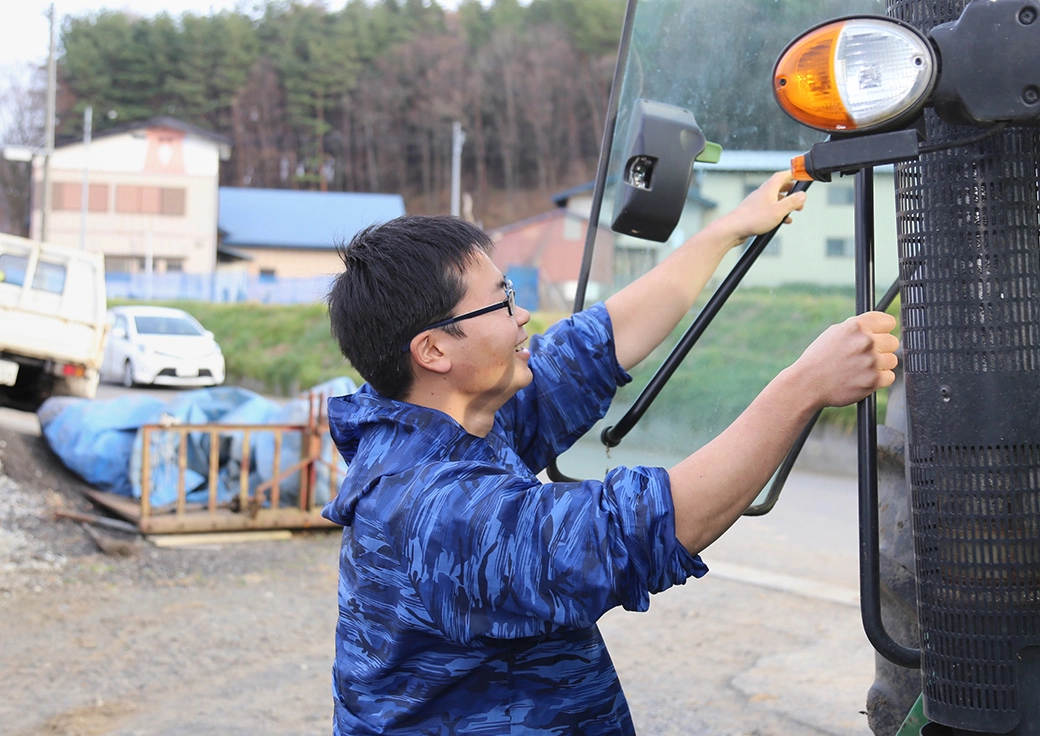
41 550
238 638
139 639
35 548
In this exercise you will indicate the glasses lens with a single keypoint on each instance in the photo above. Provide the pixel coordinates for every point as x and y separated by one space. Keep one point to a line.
510 298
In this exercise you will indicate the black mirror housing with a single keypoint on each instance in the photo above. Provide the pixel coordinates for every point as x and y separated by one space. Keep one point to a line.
663 141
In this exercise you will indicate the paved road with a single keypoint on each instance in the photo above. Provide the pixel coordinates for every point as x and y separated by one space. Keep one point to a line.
768 644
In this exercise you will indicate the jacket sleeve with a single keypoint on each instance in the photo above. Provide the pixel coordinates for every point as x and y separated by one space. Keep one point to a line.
576 375
494 555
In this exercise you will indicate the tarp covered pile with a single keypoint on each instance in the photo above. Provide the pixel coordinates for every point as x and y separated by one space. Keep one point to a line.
102 442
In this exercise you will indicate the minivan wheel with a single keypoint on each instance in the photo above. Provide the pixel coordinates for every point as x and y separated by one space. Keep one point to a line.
128 374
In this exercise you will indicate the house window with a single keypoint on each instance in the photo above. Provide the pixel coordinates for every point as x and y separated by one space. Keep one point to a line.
773 249
841 247
151 200
123 264
840 195
68 196
267 275
630 263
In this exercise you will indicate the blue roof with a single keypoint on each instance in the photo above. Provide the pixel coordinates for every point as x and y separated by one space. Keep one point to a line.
288 218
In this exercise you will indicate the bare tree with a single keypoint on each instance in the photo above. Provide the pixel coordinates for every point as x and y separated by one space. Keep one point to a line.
22 114
261 155
501 65
544 89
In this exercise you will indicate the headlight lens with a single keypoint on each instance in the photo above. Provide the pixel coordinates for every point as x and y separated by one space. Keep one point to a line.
856 74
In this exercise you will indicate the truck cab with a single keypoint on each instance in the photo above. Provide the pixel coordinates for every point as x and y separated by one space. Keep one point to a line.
52 321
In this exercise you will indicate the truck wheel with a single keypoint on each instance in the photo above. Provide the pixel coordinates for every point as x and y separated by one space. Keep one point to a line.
128 375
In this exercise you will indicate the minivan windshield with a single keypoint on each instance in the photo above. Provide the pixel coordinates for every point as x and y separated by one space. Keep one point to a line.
160 325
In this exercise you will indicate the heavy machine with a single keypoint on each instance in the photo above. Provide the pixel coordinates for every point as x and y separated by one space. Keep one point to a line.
949 94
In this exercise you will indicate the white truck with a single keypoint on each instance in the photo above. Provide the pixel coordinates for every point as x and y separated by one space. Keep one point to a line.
52 321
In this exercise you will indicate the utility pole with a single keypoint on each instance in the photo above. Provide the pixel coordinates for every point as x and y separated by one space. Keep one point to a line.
52 85
84 195
458 137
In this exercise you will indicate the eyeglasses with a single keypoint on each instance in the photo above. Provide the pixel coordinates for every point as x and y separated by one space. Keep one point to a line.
509 304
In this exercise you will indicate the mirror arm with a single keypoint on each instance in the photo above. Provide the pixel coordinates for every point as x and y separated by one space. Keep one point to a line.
612 436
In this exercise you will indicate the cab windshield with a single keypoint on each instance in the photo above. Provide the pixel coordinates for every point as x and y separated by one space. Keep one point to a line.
714 60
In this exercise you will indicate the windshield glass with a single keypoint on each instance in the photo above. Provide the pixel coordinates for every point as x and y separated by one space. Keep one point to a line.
49 277
13 268
714 60
152 325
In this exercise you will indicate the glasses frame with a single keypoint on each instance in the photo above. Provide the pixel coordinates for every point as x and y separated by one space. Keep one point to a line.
509 303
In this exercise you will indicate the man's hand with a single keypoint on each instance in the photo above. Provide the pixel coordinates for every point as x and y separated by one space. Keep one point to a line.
850 360
713 486
648 309
764 208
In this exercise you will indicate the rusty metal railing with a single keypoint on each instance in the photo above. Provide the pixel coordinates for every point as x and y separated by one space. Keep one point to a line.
250 508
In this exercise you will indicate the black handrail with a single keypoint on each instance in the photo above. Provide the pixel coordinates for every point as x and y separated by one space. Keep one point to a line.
784 470
866 426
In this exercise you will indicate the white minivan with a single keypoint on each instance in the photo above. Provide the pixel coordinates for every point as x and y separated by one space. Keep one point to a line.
160 346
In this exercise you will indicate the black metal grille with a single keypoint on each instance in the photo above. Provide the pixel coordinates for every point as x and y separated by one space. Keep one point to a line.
969 243
970 268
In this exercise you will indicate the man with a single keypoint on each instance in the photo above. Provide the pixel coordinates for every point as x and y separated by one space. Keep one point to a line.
469 589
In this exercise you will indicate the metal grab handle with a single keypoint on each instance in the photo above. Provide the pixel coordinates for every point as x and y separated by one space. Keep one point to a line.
866 429
760 509
780 478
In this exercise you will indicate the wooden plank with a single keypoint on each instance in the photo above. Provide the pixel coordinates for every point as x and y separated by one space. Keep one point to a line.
127 507
187 540
226 520
198 520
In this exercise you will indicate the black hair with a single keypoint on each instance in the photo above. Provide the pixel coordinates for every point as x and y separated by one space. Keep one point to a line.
398 277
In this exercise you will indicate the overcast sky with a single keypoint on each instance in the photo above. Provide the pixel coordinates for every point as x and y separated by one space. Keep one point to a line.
25 29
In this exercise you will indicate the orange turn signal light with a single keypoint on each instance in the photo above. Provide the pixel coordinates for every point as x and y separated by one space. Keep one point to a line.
855 74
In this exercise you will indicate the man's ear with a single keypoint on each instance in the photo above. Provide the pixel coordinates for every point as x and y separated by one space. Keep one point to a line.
428 352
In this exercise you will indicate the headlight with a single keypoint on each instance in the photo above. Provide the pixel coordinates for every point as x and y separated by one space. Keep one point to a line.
856 74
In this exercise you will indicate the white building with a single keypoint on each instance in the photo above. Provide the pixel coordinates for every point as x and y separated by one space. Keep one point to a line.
816 248
152 197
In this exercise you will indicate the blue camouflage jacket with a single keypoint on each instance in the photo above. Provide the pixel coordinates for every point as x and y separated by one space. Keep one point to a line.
469 590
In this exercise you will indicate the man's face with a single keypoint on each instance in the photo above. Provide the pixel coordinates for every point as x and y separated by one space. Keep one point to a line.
490 362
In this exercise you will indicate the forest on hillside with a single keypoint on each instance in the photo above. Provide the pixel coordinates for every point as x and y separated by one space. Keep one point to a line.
364 98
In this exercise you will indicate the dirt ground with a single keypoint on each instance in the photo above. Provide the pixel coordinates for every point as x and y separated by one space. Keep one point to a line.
238 638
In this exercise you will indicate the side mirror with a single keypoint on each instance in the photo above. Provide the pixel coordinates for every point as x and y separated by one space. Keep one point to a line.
663 142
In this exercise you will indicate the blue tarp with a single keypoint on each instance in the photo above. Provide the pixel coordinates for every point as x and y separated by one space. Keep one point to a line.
101 441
